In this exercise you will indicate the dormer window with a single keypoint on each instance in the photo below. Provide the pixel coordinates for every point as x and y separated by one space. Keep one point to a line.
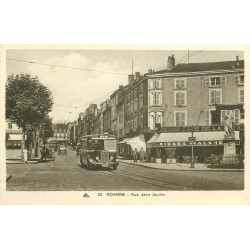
215 81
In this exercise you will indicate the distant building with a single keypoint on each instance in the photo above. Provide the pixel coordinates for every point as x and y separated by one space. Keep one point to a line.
13 135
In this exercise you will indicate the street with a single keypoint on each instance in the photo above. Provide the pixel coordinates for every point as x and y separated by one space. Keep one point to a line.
65 174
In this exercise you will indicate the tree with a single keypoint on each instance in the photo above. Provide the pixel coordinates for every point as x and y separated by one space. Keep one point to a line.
46 129
28 101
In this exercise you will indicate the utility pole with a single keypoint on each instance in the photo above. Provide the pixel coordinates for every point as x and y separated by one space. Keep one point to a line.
188 56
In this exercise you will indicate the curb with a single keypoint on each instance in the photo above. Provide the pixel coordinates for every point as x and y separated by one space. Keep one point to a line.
8 177
206 170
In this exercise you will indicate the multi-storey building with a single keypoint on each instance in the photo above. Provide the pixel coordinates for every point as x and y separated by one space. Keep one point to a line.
61 132
14 135
196 95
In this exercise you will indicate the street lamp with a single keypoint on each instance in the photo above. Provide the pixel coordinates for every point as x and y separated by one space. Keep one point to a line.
191 140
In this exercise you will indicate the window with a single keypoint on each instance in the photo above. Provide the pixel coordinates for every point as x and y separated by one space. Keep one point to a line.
215 81
235 114
239 79
141 121
207 118
141 101
241 95
180 98
141 88
135 104
180 84
155 117
155 98
10 125
215 96
135 123
180 118
155 83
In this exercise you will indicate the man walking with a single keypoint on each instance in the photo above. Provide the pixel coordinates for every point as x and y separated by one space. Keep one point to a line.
142 155
135 155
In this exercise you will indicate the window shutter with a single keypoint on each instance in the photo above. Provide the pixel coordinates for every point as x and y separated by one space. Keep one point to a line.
207 81
207 114
241 95
182 98
223 114
177 119
182 85
236 116
177 83
177 99
223 80
212 97
218 97
183 118
236 79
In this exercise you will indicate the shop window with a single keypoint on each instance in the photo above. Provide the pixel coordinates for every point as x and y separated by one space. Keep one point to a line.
180 118
180 98
215 96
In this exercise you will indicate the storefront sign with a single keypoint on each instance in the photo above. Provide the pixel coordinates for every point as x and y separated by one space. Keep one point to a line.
198 129
192 139
187 143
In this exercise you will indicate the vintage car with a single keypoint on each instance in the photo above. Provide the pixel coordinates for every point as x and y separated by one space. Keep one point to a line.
62 150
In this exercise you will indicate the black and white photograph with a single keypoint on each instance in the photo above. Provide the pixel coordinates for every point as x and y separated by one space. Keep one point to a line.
124 122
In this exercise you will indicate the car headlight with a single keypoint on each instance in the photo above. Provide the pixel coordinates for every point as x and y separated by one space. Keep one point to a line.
97 158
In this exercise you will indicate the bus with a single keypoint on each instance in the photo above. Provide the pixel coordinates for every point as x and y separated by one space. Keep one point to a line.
98 151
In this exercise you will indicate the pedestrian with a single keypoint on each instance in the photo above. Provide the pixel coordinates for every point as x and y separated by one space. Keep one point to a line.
142 155
25 155
77 150
135 155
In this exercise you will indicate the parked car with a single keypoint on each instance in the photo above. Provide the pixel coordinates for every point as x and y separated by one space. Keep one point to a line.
62 150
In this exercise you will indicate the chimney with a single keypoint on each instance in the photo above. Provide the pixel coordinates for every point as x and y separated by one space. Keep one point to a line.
171 62
131 79
237 58
137 76
150 71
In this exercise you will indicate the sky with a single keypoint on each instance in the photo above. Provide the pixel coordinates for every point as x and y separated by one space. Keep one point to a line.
74 89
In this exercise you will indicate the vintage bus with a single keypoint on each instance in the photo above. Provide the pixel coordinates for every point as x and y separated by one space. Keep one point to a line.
98 151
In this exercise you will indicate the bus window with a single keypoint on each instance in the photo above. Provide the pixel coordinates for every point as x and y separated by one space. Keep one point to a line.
96 144
110 144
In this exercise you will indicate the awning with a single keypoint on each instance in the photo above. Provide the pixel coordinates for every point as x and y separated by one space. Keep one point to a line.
182 139
152 139
15 137
135 142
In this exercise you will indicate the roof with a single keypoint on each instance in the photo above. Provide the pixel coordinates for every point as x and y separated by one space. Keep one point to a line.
196 67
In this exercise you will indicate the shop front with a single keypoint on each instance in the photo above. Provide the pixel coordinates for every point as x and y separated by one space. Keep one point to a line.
126 147
175 147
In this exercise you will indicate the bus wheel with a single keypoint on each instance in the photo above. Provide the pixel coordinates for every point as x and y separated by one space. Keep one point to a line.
115 168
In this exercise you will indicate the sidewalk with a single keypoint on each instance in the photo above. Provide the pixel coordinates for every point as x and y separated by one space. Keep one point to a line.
14 157
180 166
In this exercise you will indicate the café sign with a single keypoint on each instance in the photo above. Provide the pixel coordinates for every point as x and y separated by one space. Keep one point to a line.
198 129
189 143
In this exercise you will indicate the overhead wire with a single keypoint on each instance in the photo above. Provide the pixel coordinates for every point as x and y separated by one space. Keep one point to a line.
64 66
